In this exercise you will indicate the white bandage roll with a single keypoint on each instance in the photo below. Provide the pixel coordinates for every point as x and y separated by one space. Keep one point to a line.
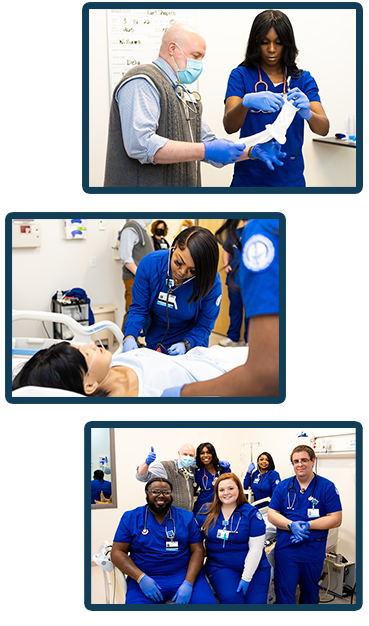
277 130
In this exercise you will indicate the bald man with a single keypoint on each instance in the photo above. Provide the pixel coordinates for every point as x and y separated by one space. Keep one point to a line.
179 472
157 136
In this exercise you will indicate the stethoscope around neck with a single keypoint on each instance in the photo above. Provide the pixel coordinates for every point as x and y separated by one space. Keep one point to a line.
290 507
170 534
170 289
286 86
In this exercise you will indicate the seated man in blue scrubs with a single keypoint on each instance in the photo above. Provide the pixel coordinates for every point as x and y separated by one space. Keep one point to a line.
303 508
98 485
159 548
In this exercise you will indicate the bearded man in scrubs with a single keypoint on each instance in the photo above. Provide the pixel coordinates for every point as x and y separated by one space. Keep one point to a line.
159 548
303 508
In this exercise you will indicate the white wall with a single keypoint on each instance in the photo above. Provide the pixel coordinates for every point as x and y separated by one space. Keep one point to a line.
133 444
64 264
318 34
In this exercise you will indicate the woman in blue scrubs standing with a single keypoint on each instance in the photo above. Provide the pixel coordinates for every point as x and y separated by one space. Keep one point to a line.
254 98
234 533
209 468
263 479
180 291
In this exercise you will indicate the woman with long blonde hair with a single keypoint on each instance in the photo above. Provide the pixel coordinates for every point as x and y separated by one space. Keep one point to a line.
234 533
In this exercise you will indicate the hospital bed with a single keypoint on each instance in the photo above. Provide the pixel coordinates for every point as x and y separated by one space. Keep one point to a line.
23 348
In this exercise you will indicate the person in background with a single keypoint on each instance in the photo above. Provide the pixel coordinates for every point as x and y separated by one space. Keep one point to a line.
134 244
159 230
185 224
249 105
263 479
179 471
259 276
209 468
98 485
234 533
303 509
231 261
157 136
159 548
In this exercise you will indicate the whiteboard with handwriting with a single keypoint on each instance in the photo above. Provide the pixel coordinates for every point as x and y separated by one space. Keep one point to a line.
134 36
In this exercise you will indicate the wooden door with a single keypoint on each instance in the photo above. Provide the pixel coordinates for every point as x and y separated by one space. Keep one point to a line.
222 323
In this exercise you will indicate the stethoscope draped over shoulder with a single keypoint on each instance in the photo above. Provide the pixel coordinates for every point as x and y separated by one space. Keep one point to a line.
290 507
170 534
170 300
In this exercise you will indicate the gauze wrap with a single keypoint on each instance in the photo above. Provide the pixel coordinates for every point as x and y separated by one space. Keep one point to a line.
277 130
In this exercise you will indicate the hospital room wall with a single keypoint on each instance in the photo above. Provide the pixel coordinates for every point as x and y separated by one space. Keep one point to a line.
323 52
64 264
37 273
133 444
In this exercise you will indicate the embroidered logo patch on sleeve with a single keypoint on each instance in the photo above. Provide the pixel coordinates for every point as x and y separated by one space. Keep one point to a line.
258 253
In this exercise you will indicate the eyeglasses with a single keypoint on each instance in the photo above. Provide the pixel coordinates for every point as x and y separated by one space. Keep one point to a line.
303 461
157 492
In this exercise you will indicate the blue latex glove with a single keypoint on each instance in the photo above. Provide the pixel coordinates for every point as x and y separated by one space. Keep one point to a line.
300 531
243 586
301 101
263 101
183 594
223 151
129 344
150 588
177 348
224 464
269 153
251 467
172 392
150 457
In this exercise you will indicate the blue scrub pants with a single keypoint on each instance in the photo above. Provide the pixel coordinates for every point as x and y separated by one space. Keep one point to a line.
225 582
169 583
287 575
236 315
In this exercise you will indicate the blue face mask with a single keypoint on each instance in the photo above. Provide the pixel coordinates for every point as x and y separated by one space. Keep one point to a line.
192 71
186 461
148 222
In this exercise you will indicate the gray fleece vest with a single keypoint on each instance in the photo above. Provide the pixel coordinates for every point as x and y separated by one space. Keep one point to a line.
122 171
141 249
183 488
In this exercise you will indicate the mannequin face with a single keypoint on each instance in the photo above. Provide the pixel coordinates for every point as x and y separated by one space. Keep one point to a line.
98 363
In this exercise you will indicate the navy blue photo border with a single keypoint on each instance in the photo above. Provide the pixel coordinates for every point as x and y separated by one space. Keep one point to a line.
8 311
219 190
269 607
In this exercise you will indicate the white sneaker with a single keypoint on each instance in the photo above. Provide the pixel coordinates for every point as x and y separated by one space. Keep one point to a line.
228 343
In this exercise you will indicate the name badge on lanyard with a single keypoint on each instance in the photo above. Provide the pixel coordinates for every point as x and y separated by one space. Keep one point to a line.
162 300
222 534
171 546
313 513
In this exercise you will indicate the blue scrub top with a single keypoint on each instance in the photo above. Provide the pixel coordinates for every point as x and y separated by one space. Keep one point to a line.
262 485
149 551
235 262
259 268
311 549
248 522
204 479
193 322
255 173
97 486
